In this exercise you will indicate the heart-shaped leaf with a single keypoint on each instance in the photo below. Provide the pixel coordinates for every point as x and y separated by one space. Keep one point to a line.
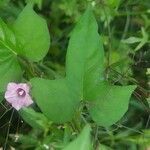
33 34
84 80
82 142
59 98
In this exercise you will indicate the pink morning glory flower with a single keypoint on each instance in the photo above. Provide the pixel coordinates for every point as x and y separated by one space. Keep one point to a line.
18 95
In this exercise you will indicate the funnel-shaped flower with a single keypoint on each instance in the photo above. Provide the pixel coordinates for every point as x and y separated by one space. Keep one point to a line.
18 95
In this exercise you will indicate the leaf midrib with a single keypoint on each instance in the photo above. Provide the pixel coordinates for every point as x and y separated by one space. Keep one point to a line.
9 48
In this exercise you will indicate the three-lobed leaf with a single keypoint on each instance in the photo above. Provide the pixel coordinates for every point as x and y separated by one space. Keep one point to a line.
59 99
84 80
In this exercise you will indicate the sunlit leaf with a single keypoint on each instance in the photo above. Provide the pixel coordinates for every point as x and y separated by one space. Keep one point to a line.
111 101
55 98
33 34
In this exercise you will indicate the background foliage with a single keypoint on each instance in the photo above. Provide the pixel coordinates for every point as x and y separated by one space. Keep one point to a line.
125 28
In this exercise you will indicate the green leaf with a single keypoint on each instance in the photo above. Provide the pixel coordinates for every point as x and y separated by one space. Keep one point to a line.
55 99
82 142
9 67
85 55
1 97
132 40
33 34
142 41
108 103
58 99
34 119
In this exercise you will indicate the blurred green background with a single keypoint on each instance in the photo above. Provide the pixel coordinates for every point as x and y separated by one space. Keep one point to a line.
124 26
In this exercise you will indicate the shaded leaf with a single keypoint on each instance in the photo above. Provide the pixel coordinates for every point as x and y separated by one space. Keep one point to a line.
38 2
132 40
28 140
33 118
